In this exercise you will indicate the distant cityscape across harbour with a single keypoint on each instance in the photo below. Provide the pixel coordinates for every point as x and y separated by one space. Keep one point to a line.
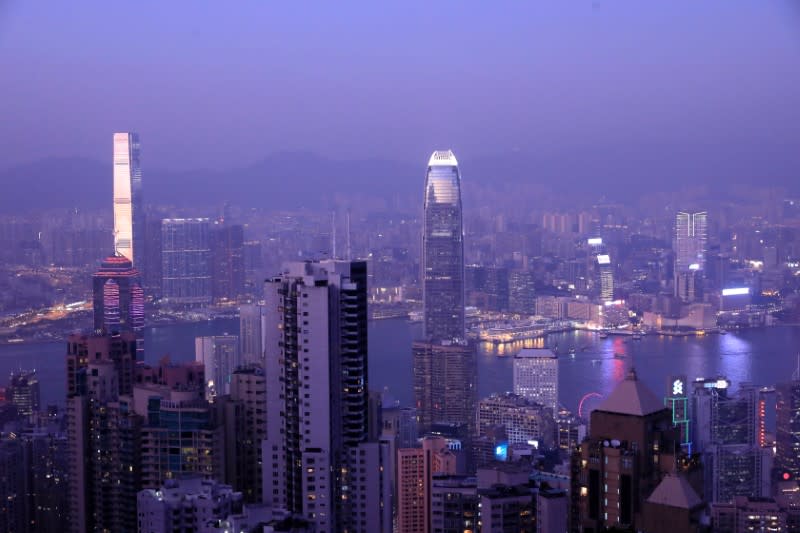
588 363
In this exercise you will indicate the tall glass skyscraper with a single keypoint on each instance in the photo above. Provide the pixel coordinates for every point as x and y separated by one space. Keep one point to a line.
691 236
444 362
185 261
443 250
128 209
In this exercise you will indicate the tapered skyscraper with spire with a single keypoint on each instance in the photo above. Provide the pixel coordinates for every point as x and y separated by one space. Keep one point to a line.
443 250
444 362
129 218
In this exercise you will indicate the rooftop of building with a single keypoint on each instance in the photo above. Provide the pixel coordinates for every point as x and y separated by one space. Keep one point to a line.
443 158
536 353
675 491
632 397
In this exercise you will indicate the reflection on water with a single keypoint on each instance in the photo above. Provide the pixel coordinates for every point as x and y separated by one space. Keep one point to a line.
761 356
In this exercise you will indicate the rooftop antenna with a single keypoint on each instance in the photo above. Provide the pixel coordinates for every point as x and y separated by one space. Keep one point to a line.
349 249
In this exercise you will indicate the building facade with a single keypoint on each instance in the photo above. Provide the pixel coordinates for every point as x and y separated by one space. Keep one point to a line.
536 376
220 357
443 250
524 421
186 261
128 202
445 384
315 334
691 246
118 299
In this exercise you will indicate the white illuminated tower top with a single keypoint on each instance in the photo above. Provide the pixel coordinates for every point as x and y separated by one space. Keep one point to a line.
128 208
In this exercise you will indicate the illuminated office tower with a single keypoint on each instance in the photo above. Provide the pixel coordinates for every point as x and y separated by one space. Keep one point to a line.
318 459
691 237
186 261
118 299
536 376
444 363
23 392
606 272
443 250
128 206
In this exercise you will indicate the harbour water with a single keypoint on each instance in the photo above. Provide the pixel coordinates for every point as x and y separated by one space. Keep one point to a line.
760 356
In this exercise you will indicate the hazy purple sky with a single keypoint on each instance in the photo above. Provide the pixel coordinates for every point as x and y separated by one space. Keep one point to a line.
222 84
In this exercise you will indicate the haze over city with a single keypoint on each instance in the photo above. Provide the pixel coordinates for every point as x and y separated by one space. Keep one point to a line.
425 267
604 95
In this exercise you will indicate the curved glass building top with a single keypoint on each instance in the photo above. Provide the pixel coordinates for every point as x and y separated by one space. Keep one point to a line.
443 250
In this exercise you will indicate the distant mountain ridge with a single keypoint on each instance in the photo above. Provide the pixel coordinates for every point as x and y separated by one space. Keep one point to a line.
290 180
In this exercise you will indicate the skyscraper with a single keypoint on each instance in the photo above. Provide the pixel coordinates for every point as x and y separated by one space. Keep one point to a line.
444 363
102 432
251 317
227 261
317 458
186 261
118 299
128 209
606 274
631 447
691 237
443 250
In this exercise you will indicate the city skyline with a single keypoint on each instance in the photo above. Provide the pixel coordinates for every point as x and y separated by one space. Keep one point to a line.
593 332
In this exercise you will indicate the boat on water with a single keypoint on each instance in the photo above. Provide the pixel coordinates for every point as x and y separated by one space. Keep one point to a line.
636 336
619 356
596 361
572 351
603 335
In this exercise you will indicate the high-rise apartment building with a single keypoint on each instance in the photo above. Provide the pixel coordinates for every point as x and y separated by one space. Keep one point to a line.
220 356
128 203
443 250
186 261
536 376
691 245
118 299
102 432
415 470
245 428
317 452
251 317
